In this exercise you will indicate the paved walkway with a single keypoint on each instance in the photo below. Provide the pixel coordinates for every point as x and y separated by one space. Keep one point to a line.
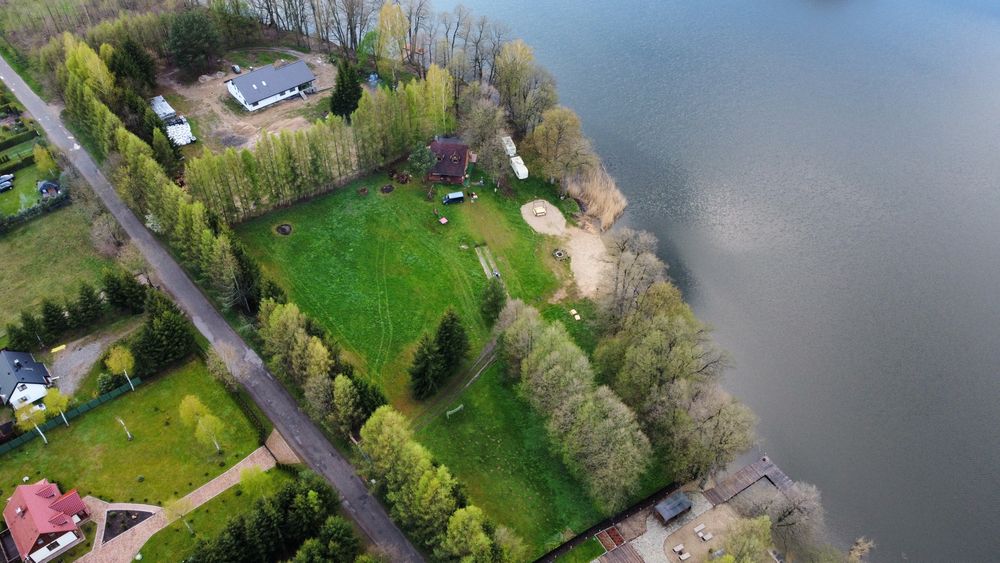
306 438
124 547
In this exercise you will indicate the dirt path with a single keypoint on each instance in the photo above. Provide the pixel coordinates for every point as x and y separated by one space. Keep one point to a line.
72 364
587 253
220 126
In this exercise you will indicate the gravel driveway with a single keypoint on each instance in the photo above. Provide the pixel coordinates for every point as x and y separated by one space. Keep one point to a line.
73 363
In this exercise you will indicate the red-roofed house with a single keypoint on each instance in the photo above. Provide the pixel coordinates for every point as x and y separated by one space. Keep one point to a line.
452 162
43 522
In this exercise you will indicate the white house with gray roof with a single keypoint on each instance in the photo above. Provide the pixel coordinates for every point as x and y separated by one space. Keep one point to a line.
270 84
23 380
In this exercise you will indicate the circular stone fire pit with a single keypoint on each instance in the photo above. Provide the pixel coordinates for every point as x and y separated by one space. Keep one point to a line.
284 229
388 188
362 191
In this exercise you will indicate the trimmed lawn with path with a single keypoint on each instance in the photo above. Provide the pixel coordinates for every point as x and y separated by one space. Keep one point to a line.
498 448
163 461
57 245
175 542
377 270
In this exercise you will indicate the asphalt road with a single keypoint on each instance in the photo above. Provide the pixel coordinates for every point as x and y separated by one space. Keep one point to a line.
304 437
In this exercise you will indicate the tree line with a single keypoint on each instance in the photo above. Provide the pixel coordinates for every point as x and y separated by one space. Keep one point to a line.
592 431
661 361
289 166
296 523
304 355
426 500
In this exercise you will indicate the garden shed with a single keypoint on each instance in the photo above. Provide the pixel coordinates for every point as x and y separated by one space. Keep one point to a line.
672 506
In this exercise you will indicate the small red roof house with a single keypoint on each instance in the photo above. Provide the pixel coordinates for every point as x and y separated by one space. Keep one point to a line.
43 522
452 161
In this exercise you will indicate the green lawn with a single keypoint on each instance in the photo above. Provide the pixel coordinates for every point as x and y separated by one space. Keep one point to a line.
175 542
584 331
378 270
23 194
56 245
583 553
498 448
254 57
93 456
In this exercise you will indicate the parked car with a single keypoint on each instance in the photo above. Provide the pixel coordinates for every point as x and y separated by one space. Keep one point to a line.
236 69
4 186
453 197
7 178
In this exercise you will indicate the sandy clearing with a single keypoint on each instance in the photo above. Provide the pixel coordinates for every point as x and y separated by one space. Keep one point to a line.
587 253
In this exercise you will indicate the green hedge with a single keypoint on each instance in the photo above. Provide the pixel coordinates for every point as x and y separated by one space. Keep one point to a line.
18 139
17 164
9 222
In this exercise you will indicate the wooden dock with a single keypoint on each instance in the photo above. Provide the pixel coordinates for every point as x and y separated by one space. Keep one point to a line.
738 482
623 554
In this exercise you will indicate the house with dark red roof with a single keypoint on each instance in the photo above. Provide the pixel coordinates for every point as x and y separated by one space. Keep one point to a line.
43 522
452 161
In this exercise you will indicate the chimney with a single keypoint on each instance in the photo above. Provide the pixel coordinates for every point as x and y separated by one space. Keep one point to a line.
17 365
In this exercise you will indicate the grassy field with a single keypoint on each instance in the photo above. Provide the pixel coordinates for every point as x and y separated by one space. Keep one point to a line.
498 448
93 456
175 542
247 58
48 257
377 270
583 553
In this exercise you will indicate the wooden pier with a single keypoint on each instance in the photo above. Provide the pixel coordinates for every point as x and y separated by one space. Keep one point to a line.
738 482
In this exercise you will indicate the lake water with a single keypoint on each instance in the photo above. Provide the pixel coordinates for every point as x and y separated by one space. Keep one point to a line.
824 176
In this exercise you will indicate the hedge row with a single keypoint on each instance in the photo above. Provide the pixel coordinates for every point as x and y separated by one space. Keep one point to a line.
17 164
18 139
10 221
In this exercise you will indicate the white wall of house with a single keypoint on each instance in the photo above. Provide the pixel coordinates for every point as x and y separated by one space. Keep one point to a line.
263 103
26 393
60 545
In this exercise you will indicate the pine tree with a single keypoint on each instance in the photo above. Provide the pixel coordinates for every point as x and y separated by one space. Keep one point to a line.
347 90
34 332
494 300
89 305
428 369
451 341
54 320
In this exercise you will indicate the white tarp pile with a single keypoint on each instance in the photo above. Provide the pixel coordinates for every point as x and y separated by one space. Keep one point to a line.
508 145
179 131
520 170
162 109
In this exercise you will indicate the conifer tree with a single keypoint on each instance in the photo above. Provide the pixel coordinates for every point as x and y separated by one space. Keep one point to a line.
451 341
347 90
53 319
89 305
494 300
428 369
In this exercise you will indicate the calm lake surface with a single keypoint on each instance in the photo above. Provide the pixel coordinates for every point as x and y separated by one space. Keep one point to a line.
825 179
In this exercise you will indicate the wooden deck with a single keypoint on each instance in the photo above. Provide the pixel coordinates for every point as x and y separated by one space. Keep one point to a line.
623 554
763 468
